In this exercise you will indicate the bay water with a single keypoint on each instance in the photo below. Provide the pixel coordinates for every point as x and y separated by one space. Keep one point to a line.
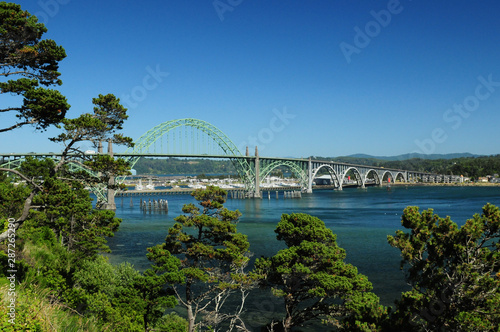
361 218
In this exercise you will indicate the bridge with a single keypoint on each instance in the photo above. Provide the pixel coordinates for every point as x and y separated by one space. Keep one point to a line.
193 138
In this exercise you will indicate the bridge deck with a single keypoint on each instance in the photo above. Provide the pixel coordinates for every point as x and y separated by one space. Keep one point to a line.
180 191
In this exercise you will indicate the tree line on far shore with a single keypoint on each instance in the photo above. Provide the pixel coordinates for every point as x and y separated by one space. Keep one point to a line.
184 166
472 167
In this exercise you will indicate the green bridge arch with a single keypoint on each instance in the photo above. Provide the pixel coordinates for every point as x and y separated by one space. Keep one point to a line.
143 143
298 169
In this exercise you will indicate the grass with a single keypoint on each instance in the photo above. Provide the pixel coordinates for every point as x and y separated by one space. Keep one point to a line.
36 311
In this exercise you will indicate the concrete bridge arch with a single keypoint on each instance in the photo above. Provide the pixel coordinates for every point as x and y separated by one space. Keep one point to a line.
333 174
378 180
357 174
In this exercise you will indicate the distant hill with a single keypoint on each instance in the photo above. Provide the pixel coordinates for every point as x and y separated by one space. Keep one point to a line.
415 155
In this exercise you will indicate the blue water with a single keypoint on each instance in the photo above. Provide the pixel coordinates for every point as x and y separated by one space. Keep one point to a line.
361 218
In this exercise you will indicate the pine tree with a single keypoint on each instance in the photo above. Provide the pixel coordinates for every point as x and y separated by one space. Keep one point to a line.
313 280
211 253
454 271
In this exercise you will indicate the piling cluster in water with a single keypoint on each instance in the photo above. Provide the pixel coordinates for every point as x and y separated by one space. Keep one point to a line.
286 194
292 194
161 205
154 205
237 194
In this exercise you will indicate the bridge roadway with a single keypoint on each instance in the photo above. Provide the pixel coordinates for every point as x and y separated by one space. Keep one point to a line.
408 176
253 169
176 191
8 158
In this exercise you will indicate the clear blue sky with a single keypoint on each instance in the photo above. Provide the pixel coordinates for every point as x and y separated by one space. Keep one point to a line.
323 78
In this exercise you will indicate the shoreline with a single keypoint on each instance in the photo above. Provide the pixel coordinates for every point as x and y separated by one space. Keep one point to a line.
433 184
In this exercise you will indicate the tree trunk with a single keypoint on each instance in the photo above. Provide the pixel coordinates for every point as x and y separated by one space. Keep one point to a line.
189 307
290 307
146 322
287 324
190 318
24 214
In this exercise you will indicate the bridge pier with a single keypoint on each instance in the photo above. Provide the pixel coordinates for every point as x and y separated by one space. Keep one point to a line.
257 172
309 189
110 204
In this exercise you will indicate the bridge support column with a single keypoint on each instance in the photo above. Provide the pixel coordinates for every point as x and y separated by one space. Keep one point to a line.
110 204
360 177
309 189
257 174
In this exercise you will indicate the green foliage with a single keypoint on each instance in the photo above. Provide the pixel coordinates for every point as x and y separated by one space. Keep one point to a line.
108 166
203 251
295 228
48 263
23 54
63 203
107 118
207 235
67 210
172 323
108 293
473 167
35 312
314 281
12 200
37 170
120 296
155 298
453 271
58 233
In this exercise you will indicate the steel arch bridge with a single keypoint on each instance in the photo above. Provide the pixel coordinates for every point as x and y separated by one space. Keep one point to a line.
251 169
193 138
229 149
